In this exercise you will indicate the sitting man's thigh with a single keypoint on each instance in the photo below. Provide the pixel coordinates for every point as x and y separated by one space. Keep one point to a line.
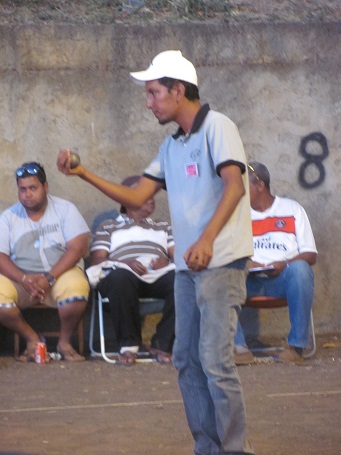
10 293
257 286
70 286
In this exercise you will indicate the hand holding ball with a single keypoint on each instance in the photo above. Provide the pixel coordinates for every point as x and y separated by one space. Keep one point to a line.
75 160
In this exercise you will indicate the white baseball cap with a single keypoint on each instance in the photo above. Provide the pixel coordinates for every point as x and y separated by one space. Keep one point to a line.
167 64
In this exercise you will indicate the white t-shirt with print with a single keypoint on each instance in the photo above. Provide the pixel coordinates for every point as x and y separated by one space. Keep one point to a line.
281 232
37 246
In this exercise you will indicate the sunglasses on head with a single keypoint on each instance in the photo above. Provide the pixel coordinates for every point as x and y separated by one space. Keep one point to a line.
31 169
255 173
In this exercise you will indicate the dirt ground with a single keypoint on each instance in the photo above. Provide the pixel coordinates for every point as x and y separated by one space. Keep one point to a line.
95 408
13 12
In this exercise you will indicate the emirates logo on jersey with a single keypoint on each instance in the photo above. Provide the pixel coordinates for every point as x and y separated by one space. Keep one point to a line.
280 224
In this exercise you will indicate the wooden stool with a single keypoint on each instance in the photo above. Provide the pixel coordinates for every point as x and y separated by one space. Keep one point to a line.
266 302
51 334
263 302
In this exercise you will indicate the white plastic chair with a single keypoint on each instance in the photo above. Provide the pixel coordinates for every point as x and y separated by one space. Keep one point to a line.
147 306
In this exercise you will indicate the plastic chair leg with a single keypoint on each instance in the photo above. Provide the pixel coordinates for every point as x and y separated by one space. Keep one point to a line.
99 304
312 351
92 327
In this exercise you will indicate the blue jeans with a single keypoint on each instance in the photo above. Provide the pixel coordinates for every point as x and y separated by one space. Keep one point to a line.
296 284
206 307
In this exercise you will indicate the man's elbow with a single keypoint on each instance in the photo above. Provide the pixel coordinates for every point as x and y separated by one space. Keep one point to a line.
98 256
95 260
310 258
313 259
84 251
81 251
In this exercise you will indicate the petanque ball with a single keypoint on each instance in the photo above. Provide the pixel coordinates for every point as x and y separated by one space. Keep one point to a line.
75 160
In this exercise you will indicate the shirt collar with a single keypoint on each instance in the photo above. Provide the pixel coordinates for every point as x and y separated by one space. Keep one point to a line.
126 218
198 121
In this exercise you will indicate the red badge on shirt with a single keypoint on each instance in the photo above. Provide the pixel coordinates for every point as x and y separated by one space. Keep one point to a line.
192 170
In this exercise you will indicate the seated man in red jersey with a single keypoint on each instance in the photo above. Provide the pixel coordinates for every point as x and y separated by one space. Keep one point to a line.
283 238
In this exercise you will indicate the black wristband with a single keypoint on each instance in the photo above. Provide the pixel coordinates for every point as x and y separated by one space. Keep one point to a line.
50 278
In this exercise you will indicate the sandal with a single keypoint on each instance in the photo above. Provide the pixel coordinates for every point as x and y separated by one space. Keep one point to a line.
70 355
161 356
127 358
29 355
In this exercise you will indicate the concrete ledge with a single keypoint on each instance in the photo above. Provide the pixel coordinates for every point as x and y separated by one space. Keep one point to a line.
73 47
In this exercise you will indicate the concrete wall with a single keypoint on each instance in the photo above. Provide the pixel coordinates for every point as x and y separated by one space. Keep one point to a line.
69 86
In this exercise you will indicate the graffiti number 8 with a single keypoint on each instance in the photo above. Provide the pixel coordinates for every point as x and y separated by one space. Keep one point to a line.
312 159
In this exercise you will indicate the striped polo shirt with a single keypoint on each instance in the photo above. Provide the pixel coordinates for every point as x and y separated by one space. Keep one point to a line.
125 238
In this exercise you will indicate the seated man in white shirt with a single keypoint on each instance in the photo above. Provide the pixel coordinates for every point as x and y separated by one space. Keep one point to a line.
283 238
142 250
42 244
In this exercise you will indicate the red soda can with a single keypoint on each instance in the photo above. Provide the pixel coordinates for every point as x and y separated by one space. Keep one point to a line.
41 353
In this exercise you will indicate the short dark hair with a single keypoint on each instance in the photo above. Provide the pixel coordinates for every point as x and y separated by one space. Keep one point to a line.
31 169
261 172
191 90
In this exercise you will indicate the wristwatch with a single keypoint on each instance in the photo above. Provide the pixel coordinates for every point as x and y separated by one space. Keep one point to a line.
50 278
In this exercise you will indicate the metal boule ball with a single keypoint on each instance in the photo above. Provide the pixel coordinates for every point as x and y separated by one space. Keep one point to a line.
75 160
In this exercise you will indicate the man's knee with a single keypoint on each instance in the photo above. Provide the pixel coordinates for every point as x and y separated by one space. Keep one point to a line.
8 293
118 281
169 282
299 270
121 275
9 314
67 308
71 286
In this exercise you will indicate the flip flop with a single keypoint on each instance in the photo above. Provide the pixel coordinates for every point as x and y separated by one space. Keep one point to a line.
161 356
70 355
127 359
29 355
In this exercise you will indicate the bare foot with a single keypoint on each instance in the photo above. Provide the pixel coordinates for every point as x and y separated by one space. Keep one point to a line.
69 354
127 358
161 356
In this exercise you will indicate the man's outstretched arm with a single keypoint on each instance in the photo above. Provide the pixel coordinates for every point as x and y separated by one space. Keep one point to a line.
129 197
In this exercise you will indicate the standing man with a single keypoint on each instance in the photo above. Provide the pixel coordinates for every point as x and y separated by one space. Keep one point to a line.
203 167
43 240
